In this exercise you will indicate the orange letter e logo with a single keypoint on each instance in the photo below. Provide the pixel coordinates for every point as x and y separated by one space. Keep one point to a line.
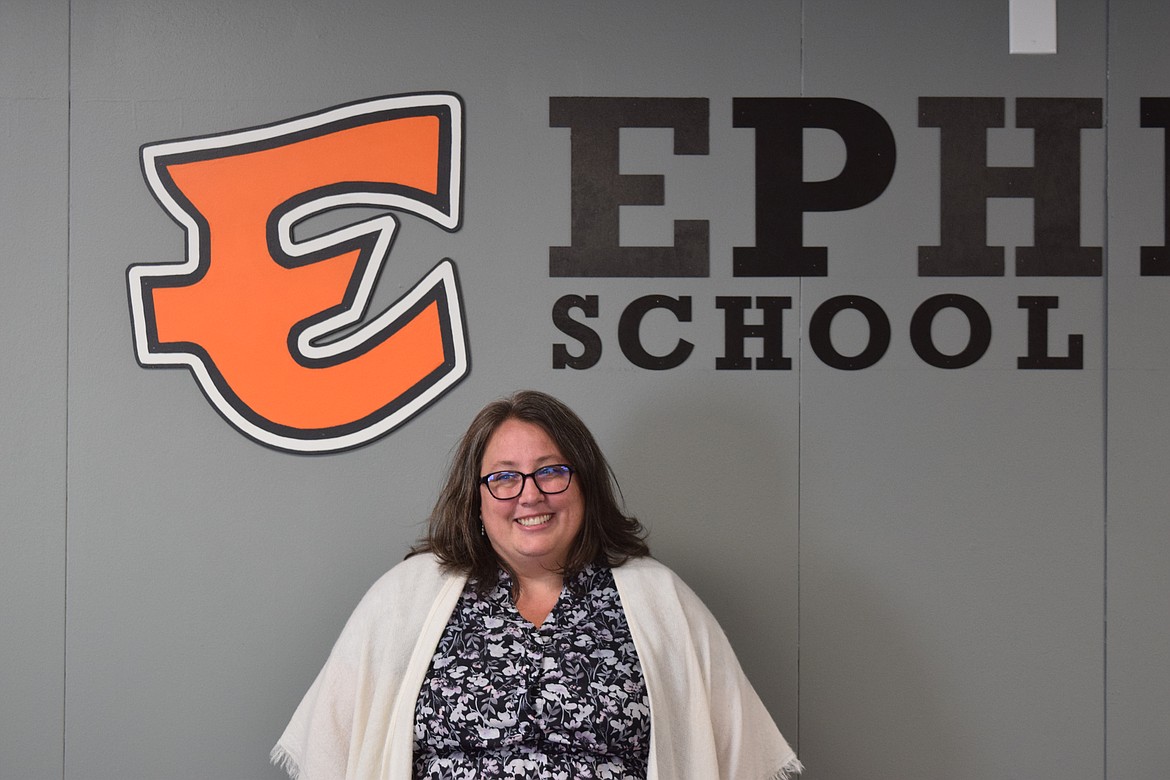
272 322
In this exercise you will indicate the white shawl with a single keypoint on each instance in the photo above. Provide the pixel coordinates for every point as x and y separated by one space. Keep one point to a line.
357 720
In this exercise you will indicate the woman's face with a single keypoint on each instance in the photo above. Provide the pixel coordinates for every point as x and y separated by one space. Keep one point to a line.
533 532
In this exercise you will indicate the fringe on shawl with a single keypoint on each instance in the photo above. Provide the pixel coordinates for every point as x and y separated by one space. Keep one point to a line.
787 772
281 758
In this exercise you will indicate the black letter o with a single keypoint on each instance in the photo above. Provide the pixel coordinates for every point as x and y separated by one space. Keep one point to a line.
923 319
821 341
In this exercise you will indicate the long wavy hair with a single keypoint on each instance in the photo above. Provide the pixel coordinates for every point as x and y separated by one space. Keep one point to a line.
608 536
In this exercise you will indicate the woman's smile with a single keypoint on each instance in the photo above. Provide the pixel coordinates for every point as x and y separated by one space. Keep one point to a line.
532 522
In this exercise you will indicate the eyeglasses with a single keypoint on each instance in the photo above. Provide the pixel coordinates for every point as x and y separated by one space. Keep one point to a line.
550 480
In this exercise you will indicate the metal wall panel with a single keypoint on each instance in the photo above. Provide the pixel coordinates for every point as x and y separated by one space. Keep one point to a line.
1138 671
951 518
34 50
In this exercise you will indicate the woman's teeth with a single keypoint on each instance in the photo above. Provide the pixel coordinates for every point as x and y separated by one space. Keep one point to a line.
531 521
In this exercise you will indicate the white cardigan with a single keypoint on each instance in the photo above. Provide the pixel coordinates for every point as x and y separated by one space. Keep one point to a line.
357 720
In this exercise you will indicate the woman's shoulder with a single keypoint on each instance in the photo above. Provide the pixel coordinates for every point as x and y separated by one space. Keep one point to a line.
414 582
653 579
418 565
646 569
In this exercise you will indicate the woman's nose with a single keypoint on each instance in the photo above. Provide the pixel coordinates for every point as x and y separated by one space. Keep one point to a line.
530 493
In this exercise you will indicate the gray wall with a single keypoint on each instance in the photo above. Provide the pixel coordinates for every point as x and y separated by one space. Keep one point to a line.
34 218
928 573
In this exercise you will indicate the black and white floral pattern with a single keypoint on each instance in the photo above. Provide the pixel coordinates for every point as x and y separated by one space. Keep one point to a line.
504 699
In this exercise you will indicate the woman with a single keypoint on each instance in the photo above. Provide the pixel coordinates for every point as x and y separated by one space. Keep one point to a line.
530 635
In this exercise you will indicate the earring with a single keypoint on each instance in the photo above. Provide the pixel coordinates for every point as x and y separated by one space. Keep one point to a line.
482 530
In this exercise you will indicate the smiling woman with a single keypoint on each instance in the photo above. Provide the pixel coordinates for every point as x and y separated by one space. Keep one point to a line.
530 530
530 635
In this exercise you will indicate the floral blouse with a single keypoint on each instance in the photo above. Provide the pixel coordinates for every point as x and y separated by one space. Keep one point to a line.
505 699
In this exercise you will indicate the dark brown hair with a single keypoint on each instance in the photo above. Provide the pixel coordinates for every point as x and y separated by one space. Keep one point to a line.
608 536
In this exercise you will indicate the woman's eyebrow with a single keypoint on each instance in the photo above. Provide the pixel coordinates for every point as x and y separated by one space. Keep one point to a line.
512 465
